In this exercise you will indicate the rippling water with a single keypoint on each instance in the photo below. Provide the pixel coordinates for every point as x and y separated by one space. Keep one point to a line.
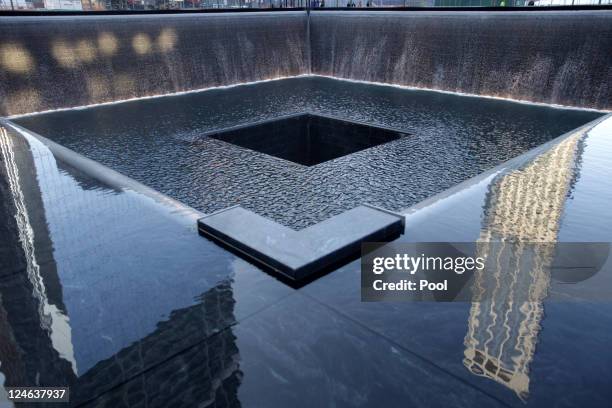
159 142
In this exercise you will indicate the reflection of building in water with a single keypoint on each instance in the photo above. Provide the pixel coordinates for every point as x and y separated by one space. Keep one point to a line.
194 369
196 359
34 328
522 207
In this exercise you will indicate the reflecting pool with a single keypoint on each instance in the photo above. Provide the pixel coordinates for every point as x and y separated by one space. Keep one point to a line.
160 143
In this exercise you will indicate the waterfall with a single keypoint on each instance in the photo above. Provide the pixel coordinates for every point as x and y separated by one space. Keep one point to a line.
557 57
50 62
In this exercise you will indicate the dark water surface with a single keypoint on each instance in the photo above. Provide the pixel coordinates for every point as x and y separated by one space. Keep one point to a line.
159 142
111 292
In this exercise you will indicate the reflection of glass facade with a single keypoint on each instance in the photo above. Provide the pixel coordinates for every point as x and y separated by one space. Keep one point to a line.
524 206
199 370
35 345
37 201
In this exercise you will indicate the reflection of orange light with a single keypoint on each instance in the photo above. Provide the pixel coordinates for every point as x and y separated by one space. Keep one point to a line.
166 40
97 87
22 101
124 85
108 44
141 44
15 58
64 54
85 51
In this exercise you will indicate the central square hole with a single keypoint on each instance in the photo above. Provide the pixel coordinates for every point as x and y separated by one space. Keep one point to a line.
306 138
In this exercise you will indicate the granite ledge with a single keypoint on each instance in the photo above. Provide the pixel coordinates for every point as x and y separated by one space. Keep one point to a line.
298 255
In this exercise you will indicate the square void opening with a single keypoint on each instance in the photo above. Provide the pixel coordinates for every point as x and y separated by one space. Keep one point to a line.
307 139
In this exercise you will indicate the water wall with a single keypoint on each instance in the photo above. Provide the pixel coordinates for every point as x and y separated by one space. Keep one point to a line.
65 61
559 57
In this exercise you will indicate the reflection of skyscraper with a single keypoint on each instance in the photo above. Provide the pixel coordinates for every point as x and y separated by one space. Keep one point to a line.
194 346
193 369
523 207
33 321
